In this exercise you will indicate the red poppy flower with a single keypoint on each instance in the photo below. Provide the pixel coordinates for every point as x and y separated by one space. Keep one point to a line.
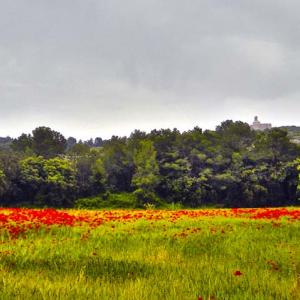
237 273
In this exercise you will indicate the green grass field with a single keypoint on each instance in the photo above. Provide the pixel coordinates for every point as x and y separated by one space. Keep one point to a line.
192 258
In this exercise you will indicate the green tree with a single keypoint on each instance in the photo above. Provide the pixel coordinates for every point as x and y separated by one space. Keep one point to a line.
235 136
31 177
90 174
9 165
47 142
79 149
48 182
177 184
298 169
146 173
115 164
23 143
60 179
71 141
3 182
274 145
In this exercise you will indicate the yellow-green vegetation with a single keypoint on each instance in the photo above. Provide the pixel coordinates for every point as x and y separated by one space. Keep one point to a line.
202 258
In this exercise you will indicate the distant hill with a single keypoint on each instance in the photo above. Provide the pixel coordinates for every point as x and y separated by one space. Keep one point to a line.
293 132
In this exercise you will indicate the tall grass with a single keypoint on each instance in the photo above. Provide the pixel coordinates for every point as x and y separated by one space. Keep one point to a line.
186 260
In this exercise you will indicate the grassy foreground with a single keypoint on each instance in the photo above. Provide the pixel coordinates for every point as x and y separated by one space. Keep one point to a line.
209 257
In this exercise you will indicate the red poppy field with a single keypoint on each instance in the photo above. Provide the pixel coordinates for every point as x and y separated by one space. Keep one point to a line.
150 254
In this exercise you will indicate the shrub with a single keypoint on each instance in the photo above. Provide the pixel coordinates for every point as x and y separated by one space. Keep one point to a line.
108 200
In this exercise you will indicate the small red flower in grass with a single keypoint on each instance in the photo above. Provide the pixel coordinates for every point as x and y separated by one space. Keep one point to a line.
273 265
200 298
237 273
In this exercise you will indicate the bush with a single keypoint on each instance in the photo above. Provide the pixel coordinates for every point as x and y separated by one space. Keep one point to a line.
147 198
108 200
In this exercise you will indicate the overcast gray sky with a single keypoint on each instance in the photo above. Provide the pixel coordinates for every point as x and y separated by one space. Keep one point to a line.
102 67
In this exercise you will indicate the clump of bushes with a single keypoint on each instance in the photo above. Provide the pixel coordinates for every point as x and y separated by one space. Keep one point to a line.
108 200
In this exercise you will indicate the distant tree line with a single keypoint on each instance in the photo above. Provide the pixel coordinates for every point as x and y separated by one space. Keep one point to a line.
293 133
231 166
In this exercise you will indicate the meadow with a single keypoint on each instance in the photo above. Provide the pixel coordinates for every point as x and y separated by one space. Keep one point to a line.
150 254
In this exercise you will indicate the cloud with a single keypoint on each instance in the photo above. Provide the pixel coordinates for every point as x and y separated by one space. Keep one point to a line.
102 67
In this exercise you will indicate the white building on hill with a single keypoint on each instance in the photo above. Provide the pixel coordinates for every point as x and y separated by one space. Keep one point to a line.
260 126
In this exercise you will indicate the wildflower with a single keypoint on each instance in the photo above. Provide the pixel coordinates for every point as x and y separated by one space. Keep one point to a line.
237 273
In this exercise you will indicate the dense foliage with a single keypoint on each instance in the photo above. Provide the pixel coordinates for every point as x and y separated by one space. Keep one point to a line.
231 166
